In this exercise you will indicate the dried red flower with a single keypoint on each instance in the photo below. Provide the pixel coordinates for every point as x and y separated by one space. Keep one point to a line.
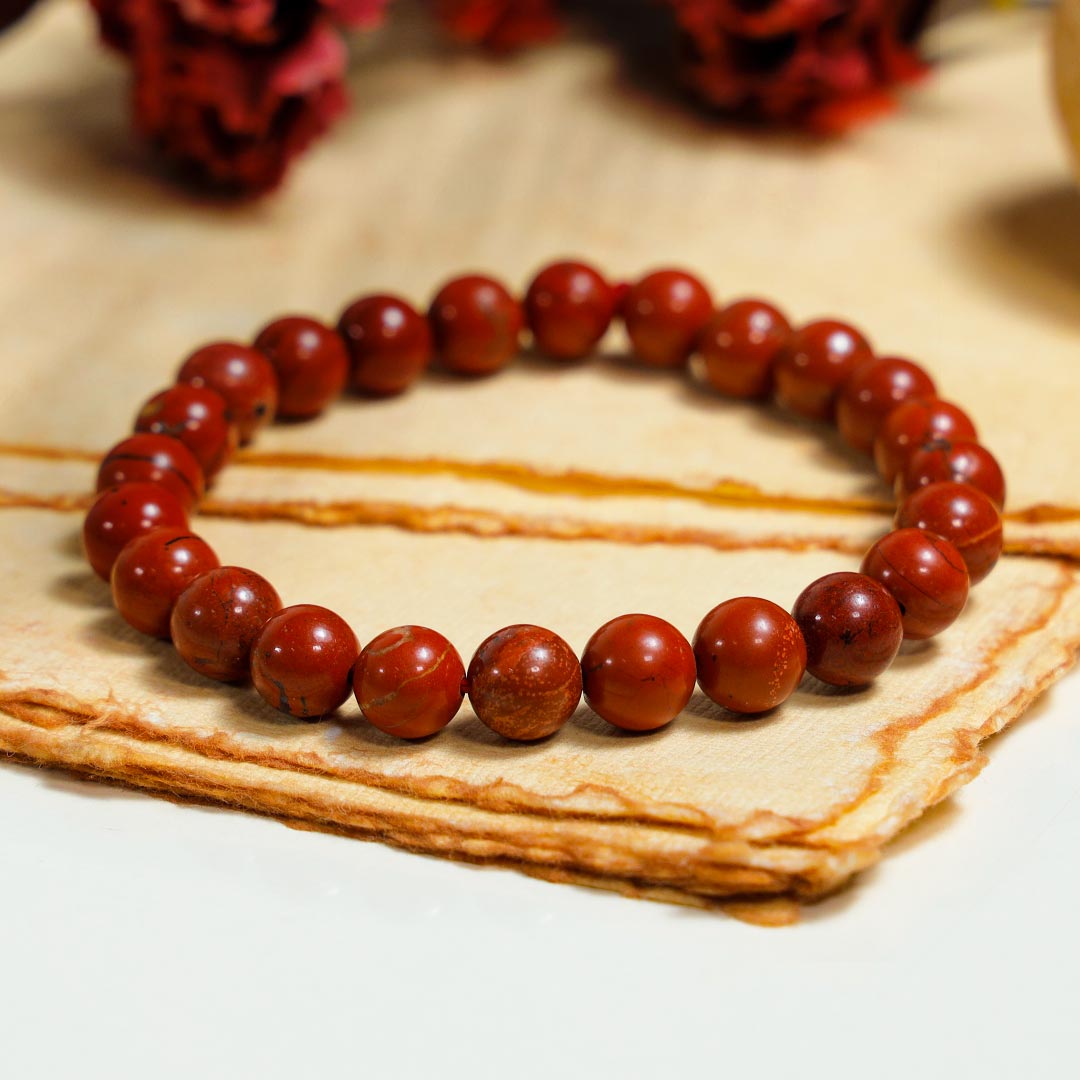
825 64
502 25
236 94
233 90
356 14
252 21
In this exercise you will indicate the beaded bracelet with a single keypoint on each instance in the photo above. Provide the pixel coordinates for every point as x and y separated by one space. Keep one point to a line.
637 671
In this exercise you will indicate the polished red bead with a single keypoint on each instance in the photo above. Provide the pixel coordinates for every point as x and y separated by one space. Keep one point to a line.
409 682
121 513
963 515
243 377
852 628
926 576
664 313
311 363
569 308
638 672
217 618
389 343
817 360
739 345
477 325
750 654
872 391
154 459
152 571
962 460
302 660
197 417
524 682
913 424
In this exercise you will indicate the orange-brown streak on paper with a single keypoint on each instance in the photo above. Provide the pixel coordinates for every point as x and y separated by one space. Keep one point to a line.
569 482
492 524
726 492
459 519
576 482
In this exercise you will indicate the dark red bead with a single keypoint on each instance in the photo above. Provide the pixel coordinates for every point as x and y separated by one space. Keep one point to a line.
217 618
389 343
477 325
910 426
962 461
154 459
964 516
311 363
197 417
122 513
638 672
739 345
152 571
750 654
872 392
664 313
524 682
302 660
817 360
569 308
243 377
409 682
852 628
926 576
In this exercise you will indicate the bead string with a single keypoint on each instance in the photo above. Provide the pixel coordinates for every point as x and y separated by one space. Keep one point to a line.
637 671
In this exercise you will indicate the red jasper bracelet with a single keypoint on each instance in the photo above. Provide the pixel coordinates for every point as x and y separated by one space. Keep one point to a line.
524 682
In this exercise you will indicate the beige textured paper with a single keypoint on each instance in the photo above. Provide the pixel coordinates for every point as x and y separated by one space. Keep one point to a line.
454 505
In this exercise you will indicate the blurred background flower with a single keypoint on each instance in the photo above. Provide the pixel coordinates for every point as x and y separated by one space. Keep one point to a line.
232 91
499 24
822 64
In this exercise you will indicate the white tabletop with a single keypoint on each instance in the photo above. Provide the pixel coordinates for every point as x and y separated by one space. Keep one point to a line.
143 938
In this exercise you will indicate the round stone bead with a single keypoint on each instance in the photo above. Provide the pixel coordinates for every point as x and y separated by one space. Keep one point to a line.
961 514
121 513
926 576
852 628
817 360
154 459
913 424
152 571
750 654
664 313
197 417
872 392
739 345
569 308
524 682
409 682
962 461
638 672
477 325
311 363
389 343
302 660
243 377
217 618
